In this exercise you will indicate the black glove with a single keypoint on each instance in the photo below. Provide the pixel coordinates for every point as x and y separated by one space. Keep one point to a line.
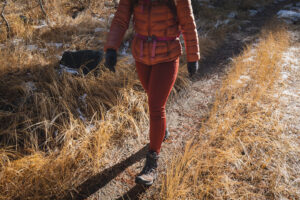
111 59
192 68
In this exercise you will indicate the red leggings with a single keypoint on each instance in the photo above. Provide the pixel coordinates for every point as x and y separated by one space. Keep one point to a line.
157 80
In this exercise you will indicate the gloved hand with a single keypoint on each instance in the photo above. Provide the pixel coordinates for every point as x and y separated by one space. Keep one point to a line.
192 68
111 59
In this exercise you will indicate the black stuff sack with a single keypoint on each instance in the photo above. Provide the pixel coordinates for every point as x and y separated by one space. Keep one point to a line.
87 60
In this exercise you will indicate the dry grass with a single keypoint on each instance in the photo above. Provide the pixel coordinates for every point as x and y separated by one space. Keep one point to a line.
239 152
24 15
55 128
37 41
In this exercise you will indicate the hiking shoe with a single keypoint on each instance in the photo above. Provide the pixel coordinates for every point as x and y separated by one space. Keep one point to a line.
149 173
167 134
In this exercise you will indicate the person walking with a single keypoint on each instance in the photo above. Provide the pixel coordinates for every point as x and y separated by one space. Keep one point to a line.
156 49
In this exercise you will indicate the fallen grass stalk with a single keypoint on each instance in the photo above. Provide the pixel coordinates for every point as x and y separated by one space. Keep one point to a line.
241 153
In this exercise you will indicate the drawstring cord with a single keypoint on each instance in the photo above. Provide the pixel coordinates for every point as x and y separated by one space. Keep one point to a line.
153 48
153 39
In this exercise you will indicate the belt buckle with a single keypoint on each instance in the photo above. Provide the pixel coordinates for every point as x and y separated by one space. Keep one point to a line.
151 38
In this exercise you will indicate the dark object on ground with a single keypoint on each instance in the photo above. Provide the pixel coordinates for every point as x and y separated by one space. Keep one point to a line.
85 59
149 173
25 19
76 11
192 68
111 59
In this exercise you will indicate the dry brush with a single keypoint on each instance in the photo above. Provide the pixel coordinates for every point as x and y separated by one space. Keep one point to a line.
240 152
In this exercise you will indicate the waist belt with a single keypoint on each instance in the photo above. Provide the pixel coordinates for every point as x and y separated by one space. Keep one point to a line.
153 39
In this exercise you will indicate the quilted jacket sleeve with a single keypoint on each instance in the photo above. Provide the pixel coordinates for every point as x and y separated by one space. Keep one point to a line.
118 26
188 29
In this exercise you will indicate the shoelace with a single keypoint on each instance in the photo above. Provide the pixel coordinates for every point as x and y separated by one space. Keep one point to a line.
149 166
146 170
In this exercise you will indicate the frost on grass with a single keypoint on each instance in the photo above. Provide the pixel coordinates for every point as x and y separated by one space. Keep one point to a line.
290 14
222 22
290 94
32 47
41 25
68 70
124 50
246 155
253 12
232 14
99 30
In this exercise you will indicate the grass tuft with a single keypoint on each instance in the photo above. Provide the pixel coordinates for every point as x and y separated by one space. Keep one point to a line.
239 152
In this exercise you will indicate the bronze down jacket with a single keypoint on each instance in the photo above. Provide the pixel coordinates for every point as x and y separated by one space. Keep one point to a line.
156 19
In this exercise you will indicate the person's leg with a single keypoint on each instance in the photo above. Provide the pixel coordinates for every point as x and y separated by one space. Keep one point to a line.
161 82
144 72
159 85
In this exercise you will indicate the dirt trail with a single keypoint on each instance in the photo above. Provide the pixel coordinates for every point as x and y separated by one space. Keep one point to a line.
289 96
185 113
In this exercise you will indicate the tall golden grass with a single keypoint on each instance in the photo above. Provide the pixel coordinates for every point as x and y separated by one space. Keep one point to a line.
55 128
23 15
239 152
53 135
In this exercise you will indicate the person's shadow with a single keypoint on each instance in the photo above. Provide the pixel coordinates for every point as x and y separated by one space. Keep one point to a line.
133 193
93 184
